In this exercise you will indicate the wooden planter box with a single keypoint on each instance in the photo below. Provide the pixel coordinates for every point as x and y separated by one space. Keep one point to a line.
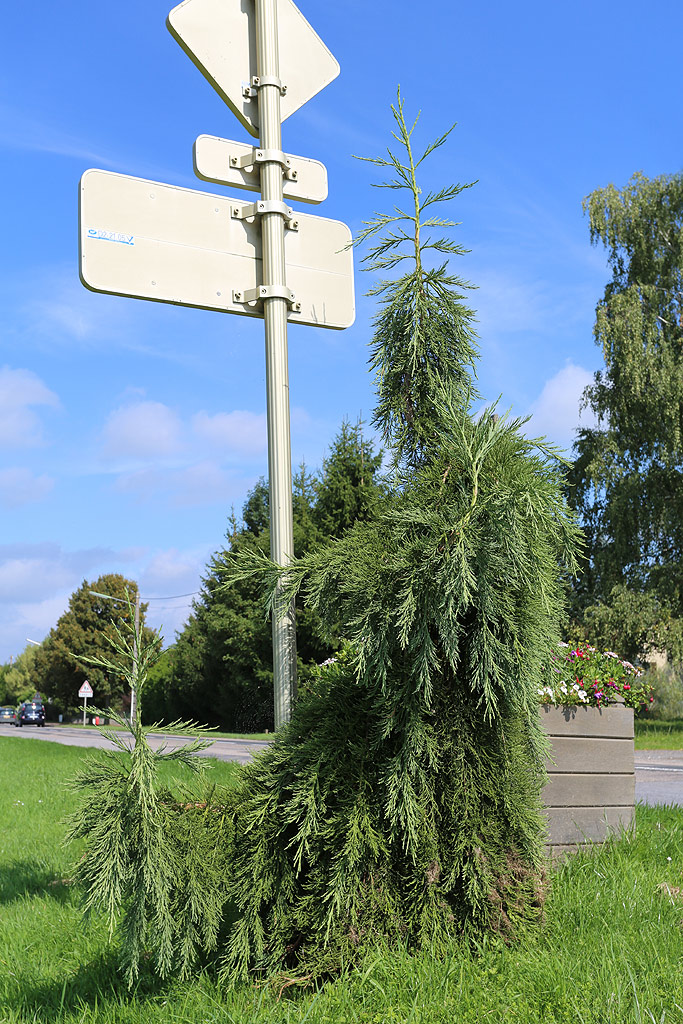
591 785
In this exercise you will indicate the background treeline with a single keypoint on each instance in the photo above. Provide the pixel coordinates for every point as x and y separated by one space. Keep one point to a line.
626 478
220 669
625 481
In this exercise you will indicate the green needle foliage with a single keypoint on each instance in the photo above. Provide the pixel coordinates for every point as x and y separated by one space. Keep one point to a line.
154 861
424 337
402 801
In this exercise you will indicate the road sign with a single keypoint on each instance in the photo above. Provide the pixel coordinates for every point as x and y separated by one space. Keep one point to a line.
148 240
85 690
153 241
238 165
219 36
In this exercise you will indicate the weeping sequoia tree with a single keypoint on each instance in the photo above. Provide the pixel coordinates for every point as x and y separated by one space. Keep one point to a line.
402 801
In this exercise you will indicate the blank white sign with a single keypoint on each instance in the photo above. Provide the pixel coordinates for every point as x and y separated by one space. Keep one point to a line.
212 162
148 240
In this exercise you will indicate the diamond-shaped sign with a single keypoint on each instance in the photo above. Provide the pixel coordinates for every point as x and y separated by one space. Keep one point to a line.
219 36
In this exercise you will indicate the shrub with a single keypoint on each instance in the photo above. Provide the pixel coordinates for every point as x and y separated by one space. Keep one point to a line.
667 688
155 862
402 801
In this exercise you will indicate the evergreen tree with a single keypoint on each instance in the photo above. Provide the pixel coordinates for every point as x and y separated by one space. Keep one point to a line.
349 483
626 482
403 799
154 859
222 670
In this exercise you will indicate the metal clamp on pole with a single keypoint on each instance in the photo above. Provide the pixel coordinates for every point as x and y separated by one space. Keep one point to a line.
258 81
264 206
276 156
266 156
268 291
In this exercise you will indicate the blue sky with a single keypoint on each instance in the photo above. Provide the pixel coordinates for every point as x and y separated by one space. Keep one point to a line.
129 429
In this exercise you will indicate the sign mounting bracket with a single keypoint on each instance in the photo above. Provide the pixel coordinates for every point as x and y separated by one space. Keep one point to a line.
268 291
265 156
263 206
258 81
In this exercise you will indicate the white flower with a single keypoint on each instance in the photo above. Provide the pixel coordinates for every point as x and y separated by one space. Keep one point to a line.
563 688
582 694
575 686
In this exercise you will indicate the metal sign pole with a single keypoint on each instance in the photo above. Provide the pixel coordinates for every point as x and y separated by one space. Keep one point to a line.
191 248
134 679
277 377
85 708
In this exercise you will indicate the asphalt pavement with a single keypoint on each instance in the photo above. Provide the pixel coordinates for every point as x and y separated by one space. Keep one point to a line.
659 773
659 776
75 736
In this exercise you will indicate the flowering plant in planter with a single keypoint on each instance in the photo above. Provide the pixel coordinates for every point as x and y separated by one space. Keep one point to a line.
585 675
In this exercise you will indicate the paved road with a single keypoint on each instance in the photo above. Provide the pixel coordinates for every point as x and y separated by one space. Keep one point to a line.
659 776
223 750
659 773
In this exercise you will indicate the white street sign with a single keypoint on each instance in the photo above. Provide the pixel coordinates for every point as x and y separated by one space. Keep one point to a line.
219 36
237 164
148 240
85 690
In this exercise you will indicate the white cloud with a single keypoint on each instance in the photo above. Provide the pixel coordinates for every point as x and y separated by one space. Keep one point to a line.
36 572
505 304
20 487
171 579
25 620
145 430
37 580
556 413
20 391
172 570
239 432
207 457
201 483
67 318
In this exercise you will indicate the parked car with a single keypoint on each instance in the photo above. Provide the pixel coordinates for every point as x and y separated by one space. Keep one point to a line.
8 715
31 712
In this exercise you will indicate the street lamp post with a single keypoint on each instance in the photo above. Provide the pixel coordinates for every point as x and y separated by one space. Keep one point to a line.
136 634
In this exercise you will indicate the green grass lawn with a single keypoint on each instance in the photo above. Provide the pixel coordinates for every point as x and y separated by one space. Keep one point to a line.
651 735
610 951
